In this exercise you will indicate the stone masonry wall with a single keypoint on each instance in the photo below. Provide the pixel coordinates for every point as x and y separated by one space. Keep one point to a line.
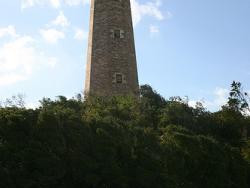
111 50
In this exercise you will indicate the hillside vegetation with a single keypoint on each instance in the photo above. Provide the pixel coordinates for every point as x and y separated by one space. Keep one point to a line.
125 142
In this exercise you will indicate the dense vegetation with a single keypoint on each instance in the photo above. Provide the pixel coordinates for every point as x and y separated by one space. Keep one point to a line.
123 142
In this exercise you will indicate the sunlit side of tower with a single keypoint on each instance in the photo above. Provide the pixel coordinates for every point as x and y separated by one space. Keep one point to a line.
111 63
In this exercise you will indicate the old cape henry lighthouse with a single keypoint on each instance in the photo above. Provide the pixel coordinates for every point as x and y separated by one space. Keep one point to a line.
111 59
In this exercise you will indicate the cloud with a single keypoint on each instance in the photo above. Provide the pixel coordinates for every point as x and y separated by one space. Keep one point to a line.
219 98
61 20
76 2
154 29
11 78
8 31
80 34
32 105
52 36
20 58
55 3
192 103
151 8
31 3
52 3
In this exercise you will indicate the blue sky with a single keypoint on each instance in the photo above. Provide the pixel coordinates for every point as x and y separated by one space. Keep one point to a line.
193 48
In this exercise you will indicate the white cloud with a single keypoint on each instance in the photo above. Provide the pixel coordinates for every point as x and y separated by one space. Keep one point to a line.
76 2
53 3
27 3
11 78
192 103
139 10
219 98
32 105
30 3
52 35
247 113
20 58
151 8
154 29
8 31
80 34
61 20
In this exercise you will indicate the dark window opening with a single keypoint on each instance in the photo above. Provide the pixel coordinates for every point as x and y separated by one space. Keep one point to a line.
119 78
117 34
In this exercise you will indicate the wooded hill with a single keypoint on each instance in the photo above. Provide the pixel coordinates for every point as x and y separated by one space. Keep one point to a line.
123 142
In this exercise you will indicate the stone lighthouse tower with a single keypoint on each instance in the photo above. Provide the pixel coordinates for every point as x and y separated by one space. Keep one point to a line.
111 64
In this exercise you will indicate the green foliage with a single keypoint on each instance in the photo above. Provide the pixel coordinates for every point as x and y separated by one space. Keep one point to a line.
208 162
14 101
122 142
177 113
238 100
246 151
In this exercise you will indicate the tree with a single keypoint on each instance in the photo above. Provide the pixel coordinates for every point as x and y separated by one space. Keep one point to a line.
238 100
121 141
177 112
208 161
15 101
151 103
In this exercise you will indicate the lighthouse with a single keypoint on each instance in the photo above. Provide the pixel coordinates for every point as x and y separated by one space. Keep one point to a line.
111 58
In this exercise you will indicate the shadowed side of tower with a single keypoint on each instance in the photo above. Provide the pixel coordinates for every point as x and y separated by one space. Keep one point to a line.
111 63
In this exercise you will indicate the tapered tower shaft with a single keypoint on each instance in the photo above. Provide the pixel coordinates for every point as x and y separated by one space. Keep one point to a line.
111 59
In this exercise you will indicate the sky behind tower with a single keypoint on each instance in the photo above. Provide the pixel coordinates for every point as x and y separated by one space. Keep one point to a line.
193 48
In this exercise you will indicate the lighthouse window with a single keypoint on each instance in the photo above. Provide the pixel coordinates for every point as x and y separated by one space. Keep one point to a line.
119 78
117 33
